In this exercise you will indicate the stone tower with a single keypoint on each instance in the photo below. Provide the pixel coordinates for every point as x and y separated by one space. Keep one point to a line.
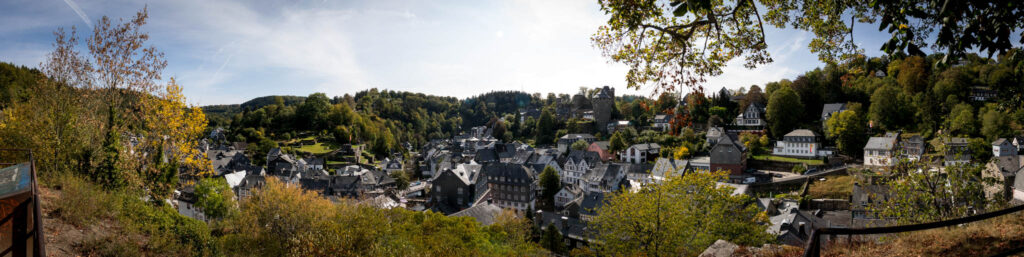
603 102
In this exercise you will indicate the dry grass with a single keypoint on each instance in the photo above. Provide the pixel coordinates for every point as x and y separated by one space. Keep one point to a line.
834 187
984 238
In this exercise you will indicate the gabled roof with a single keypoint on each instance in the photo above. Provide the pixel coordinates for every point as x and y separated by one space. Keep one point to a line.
485 213
1001 141
880 143
591 203
577 155
602 144
509 171
646 146
802 133
828 109
665 167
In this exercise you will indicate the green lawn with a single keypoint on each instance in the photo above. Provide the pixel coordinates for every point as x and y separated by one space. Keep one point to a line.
768 157
318 148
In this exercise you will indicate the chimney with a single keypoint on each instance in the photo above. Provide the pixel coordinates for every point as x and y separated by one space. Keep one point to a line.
801 227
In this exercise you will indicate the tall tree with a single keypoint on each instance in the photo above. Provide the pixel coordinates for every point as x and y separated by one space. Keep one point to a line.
680 43
545 130
849 130
784 111
551 183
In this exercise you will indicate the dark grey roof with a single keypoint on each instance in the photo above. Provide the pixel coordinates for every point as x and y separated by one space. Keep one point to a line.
828 109
591 203
317 184
508 171
577 155
567 226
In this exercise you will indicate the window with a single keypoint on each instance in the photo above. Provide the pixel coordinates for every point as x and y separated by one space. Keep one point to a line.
460 192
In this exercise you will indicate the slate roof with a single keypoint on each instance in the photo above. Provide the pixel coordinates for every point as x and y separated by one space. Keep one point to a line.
591 203
567 226
802 133
577 155
508 171
485 213
646 146
670 166
828 109
1000 142
880 143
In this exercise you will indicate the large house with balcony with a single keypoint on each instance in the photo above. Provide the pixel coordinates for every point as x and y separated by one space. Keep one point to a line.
800 143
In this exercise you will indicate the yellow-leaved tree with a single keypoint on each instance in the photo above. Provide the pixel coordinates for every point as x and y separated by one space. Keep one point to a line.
174 131
678 217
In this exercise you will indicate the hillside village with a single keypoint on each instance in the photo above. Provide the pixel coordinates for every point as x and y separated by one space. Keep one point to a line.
917 150
474 174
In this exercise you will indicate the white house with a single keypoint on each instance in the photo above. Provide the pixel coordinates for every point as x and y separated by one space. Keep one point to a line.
879 151
752 117
568 194
662 122
576 165
801 143
640 153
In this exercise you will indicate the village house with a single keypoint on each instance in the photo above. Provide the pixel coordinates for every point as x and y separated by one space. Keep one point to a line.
452 191
829 110
601 148
751 119
879 152
957 151
662 122
912 147
640 153
566 141
577 164
800 143
728 155
512 186
667 167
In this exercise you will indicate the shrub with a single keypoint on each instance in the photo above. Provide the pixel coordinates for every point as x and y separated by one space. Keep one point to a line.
84 203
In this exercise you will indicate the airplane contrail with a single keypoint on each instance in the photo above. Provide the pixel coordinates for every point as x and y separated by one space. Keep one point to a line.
79 11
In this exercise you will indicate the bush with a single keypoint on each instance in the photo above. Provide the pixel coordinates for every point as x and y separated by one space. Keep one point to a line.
84 203
799 169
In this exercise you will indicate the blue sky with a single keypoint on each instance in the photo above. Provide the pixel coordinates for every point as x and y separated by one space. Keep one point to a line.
226 52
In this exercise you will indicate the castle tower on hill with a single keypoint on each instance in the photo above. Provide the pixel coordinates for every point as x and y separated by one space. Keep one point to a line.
603 102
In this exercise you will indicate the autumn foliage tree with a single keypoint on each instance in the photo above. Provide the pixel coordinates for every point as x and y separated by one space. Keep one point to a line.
678 217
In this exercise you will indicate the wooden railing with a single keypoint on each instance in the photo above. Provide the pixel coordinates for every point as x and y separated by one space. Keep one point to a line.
814 244
20 218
